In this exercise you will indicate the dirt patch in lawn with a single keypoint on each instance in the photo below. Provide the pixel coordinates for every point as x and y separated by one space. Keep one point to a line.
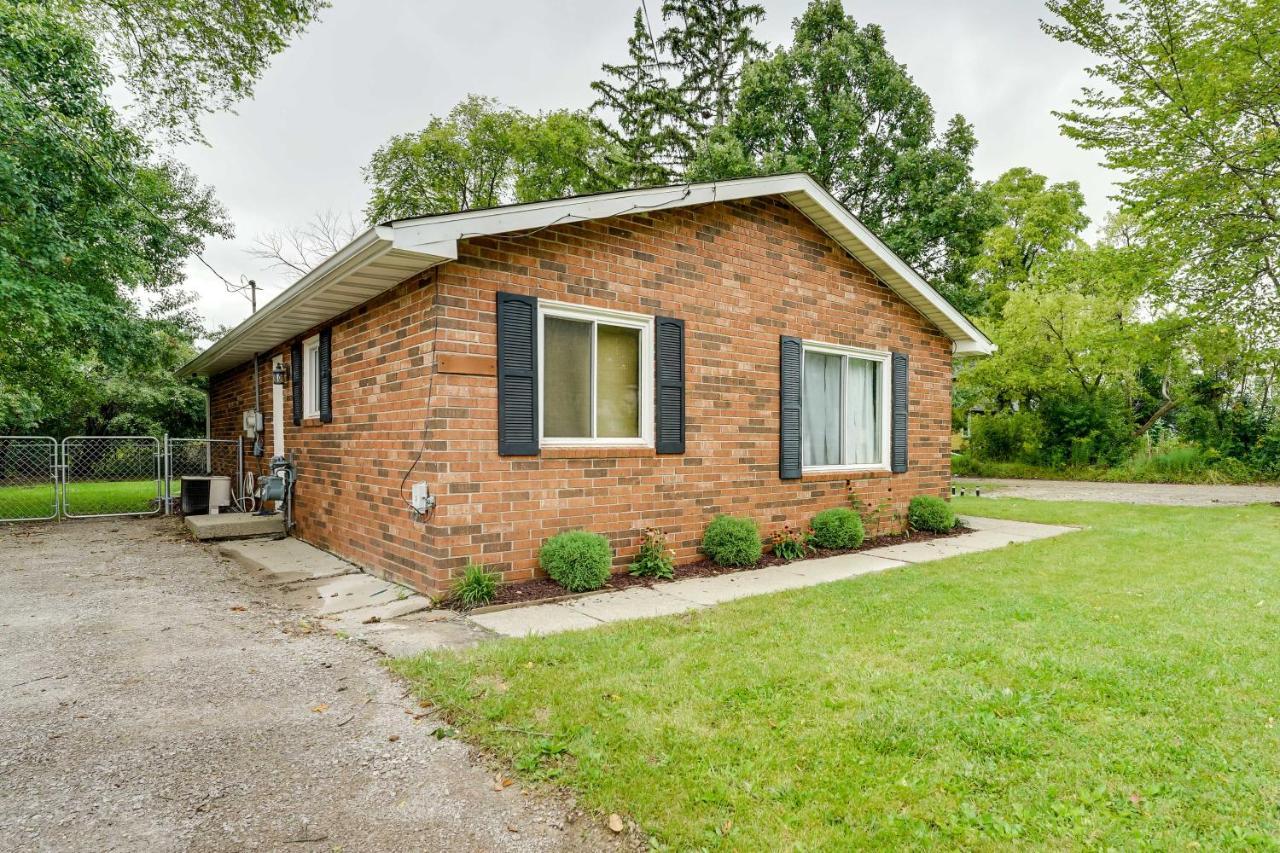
542 590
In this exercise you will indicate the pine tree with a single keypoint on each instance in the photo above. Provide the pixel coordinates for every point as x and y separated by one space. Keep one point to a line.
640 102
710 42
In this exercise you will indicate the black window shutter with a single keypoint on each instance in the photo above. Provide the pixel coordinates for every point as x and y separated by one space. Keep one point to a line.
326 376
789 381
295 385
898 455
517 375
668 353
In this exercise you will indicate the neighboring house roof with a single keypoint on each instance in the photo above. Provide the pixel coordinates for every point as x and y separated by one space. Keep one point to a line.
384 255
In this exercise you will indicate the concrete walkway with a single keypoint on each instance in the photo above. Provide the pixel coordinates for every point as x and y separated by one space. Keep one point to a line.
1164 494
696 593
393 619
398 621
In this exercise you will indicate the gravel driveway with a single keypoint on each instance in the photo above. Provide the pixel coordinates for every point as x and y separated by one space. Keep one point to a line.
149 700
1167 494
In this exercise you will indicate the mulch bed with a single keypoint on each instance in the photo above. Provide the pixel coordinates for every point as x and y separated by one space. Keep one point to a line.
543 589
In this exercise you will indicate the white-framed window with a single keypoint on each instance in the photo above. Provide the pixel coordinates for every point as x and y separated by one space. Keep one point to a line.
311 377
595 376
844 401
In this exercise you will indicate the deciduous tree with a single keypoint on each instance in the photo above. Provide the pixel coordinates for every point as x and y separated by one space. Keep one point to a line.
1187 109
483 154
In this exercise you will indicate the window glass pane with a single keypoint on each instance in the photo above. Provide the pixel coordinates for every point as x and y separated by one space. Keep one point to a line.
862 421
566 378
311 380
820 398
617 382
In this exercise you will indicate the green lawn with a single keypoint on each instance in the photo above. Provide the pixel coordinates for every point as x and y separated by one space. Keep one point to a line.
91 498
1114 687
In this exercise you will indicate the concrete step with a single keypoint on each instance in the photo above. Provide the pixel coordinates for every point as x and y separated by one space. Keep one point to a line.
234 525
280 561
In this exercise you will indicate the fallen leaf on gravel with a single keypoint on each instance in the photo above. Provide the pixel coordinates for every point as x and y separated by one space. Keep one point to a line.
500 782
393 738
511 828
425 703
615 822
372 620
321 708
238 608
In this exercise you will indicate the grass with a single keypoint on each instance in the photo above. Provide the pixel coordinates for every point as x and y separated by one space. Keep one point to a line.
1113 687
1166 468
89 498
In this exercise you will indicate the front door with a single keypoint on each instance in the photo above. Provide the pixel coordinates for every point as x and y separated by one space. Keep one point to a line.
277 412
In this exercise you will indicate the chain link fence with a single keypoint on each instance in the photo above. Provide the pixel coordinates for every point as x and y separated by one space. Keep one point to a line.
111 475
28 478
203 457
92 476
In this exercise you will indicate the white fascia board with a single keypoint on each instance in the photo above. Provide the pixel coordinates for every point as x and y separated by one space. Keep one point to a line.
419 234
434 240
365 249
976 340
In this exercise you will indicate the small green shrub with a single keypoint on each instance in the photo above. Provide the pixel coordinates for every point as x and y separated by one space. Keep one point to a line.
654 559
577 560
931 514
732 541
790 544
476 587
837 528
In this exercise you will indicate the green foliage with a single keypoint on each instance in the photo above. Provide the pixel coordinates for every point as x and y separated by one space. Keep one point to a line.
1185 109
638 103
577 560
89 219
476 587
709 42
930 513
837 528
837 105
790 544
482 155
1005 437
1037 221
732 541
184 59
654 559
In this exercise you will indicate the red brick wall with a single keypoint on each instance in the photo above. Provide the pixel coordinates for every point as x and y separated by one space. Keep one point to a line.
739 274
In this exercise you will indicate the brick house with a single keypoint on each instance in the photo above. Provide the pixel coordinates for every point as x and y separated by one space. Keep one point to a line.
641 358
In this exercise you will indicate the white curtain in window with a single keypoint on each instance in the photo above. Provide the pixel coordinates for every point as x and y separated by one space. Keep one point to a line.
861 436
821 409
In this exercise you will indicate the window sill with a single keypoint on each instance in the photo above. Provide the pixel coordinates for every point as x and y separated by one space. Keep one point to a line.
602 451
817 475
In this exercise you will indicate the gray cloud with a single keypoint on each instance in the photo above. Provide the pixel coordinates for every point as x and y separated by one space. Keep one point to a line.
377 67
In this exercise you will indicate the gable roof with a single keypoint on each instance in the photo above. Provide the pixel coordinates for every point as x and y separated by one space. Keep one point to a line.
384 255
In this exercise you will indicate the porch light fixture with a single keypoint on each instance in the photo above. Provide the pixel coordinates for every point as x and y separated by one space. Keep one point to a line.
279 375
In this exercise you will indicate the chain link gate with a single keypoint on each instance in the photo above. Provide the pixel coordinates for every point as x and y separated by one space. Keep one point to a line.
28 478
103 476
107 475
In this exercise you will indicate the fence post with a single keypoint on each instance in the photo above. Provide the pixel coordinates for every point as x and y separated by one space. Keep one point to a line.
168 500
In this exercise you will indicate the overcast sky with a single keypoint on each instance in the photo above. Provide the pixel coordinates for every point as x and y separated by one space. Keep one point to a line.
373 68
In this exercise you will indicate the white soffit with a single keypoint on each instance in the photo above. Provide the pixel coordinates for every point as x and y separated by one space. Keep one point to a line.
385 255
